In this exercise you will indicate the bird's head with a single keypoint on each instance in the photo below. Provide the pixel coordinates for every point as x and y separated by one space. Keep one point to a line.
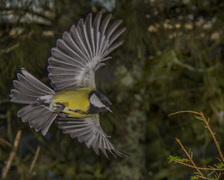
98 102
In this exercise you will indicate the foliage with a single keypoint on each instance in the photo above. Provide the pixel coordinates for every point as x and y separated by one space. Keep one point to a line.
215 171
172 59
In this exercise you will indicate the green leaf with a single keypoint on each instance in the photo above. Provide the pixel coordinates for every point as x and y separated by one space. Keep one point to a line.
199 118
194 177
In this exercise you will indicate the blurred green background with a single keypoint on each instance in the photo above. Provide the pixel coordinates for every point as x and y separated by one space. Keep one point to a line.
172 59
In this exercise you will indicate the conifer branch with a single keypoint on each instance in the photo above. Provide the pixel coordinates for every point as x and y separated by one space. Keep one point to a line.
189 157
179 161
213 135
215 168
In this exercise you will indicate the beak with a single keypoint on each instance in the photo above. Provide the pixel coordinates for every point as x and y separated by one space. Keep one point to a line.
108 109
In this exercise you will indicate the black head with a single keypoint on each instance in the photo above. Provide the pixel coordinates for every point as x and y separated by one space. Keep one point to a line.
98 102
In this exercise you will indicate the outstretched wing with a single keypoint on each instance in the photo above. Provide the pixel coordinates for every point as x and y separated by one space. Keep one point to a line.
81 51
88 130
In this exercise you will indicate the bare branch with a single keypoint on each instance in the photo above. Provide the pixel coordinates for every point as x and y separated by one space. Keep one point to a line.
34 159
6 142
12 155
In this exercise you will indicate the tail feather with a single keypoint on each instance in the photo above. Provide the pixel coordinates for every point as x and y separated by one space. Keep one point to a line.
45 127
37 85
38 117
22 98
26 87
36 120
24 111
34 110
29 90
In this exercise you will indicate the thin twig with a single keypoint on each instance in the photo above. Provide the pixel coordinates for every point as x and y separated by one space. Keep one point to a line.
179 112
219 176
9 125
201 168
189 157
12 155
213 136
6 142
34 159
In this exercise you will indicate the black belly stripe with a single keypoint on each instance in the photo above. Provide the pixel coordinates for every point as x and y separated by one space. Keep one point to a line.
58 107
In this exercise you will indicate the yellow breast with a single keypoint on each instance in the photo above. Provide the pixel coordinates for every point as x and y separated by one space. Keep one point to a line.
75 101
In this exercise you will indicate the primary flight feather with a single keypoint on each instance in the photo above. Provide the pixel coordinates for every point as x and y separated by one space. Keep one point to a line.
74 103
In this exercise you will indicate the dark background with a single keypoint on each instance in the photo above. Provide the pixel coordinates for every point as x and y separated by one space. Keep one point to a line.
172 59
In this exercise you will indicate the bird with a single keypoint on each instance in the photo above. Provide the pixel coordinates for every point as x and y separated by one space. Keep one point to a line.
73 102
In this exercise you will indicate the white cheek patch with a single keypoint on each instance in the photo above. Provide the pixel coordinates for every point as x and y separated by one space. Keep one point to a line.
94 100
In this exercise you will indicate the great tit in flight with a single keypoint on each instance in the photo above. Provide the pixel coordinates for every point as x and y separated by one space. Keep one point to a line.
75 103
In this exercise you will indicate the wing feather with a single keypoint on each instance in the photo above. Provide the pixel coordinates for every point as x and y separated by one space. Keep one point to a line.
104 24
90 33
86 37
76 38
81 38
114 46
102 33
64 64
116 35
112 28
89 131
69 41
58 55
59 70
81 52
65 49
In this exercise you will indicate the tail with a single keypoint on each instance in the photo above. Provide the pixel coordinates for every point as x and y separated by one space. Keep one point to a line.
29 90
